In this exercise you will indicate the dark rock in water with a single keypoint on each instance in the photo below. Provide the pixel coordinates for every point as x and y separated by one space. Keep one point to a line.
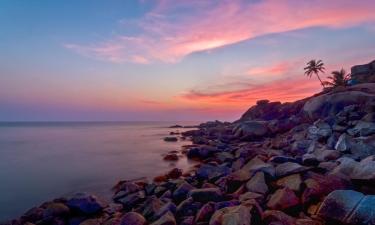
174 173
236 215
132 200
206 195
283 199
171 157
170 139
55 209
85 203
207 171
176 126
202 152
289 168
348 207
182 191
133 218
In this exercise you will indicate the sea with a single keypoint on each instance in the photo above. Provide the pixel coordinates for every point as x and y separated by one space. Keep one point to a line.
40 161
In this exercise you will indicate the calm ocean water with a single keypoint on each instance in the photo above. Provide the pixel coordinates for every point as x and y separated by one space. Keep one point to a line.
42 161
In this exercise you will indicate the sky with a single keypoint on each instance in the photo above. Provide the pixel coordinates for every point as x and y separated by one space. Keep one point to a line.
170 60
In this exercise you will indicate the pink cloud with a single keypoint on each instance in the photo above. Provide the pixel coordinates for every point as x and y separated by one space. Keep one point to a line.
281 90
174 29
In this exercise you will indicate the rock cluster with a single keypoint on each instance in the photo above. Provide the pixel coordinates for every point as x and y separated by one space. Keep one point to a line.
308 162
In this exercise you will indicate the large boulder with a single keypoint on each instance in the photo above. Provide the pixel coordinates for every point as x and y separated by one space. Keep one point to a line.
331 103
85 203
348 207
207 171
251 130
283 199
206 194
363 73
257 184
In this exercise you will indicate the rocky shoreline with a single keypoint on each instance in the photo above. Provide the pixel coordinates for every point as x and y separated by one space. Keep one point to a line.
307 162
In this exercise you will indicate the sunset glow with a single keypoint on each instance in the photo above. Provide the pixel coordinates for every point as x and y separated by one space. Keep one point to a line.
170 60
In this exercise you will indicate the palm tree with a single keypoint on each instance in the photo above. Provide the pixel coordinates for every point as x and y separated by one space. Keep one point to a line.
315 67
338 78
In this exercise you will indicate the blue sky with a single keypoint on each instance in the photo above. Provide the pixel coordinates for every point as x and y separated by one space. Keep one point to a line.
170 60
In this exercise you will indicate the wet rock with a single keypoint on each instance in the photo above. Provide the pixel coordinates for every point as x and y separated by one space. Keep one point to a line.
133 218
131 200
170 139
206 194
283 199
202 152
349 207
210 172
257 184
174 173
54 209
236 215
293 182
289 168
182 191
85 203
171 157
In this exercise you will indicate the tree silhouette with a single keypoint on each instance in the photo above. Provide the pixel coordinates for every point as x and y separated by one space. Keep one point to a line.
315 67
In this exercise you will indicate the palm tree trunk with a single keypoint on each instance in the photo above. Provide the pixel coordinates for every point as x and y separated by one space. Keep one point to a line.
321 82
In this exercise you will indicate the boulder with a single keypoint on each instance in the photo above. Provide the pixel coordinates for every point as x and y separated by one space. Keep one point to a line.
331 103
182 191
365 170
132 200
257 184
235 215
210 172
202 152
289 168
363 73
170 139
318 186
85 203
55 209
283 199
348 207
251 130
133 218
293 182
256 164
206 195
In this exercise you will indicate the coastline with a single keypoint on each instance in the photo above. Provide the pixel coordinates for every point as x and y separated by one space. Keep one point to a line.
290 163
